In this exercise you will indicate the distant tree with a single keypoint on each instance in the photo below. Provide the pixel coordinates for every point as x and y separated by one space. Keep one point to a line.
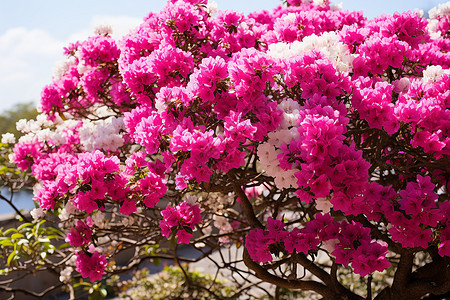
9 118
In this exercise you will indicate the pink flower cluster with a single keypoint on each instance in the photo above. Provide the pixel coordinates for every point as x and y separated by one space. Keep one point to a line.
347 242
354 114
180 221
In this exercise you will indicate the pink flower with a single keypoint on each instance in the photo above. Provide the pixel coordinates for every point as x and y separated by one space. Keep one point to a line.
91 265
79 235
183 237
176 219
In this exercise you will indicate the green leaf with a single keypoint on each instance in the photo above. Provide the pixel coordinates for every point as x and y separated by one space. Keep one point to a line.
54 231
103 292
43 255
17 236
53 236
82 284
36 229
63 246
9 231
6 243
11 257
24 225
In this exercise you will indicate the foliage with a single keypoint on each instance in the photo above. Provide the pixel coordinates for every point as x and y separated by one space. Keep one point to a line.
9 118
172 283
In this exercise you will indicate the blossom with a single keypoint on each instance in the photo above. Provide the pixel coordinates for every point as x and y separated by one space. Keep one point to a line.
79 235
178 219
8 138
91 265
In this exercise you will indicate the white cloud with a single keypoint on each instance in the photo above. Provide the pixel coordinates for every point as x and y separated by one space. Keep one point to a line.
28 57
13 69
20 42
25 55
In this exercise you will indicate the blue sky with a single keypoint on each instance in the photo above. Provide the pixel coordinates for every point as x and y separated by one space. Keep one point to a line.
32 33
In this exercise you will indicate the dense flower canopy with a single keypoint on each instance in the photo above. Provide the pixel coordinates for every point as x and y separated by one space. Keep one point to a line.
326 132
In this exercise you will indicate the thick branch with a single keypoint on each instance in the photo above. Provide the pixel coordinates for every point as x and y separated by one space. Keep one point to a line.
309 285
247 207
403 273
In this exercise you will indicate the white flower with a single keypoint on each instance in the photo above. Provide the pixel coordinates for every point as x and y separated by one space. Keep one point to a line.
42 120
433 73
82 68
419 12
323 204
440 11
127 221
98 219
211 7
21 125
330 245
191 199
290 17
28 138
328 43
65 274
103 29
60 69
102 134
319 2
36 188
221 222
37 213
336 7
67 211
8 138
72 261
432 28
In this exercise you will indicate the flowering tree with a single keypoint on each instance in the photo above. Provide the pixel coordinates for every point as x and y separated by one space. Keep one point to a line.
314 140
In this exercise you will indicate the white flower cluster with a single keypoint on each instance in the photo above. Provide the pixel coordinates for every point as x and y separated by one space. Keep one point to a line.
8 138
61 67
103 29
102 134
443 10
68 211
285 133
33 126
103 242
66 274
320 2
433 73
328 43
211 7
99 219
37 213
42 131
